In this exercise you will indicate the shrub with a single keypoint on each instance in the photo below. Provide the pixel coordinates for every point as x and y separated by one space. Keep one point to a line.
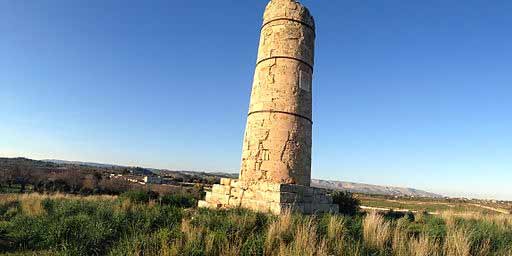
434 227
8 209
184 201
253 245
136 196
346 201
393 215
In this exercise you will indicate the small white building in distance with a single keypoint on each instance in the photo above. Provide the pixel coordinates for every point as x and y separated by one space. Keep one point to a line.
153 179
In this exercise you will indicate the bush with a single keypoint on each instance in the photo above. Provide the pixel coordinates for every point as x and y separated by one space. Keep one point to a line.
7 209
392 215
433 226
346 201
136 196
183 201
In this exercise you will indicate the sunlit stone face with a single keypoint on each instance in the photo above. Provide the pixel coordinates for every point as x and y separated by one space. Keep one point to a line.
277 142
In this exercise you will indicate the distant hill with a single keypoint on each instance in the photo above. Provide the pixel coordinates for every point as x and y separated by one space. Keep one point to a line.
176 173
56 161
334 185
371 189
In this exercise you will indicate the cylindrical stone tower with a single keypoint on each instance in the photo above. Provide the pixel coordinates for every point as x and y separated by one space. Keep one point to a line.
276 158
277 143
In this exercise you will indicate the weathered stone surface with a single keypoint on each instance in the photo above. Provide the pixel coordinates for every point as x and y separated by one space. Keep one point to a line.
277 144
287 9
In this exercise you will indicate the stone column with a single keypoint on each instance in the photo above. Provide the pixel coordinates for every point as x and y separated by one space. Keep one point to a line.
275 174
277 143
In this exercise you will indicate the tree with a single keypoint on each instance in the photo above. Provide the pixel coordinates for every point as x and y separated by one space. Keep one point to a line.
6 177
115 186
89 183
22 175
73 178
346 201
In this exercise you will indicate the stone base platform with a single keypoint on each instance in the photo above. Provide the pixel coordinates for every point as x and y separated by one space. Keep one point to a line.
269 197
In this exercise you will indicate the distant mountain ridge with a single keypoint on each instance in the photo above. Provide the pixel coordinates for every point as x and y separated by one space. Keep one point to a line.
327 184
371 189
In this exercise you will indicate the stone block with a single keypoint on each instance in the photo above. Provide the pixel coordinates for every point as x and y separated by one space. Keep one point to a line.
261 187
248 203
319 191
235 183
322 199
208 196
234 202
308 191
324 207
249 194
269 196
292 207
221 189
225 181
288 188
236 192
263 206
203 204
285 197
263 195
275 208
274 187
220 198
307 199
308 208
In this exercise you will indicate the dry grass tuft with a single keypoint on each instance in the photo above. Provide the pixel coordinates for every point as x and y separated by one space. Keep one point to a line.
376 231
278 232
32 206
424 246
484 248
336 233
305 240
400 244
457 242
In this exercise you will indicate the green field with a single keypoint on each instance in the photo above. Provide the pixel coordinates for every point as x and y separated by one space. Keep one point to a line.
434 206
135 224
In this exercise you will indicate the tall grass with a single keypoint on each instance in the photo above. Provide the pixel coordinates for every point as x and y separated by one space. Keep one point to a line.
458 242
376 232
336 234
424 246
279 234
60 224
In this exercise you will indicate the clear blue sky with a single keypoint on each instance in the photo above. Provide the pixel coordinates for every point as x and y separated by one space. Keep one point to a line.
406 93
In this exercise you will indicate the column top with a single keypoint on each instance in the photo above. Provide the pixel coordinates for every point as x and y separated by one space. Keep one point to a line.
288 9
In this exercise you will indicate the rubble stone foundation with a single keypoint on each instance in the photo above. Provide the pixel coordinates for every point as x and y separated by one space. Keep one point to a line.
268 197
